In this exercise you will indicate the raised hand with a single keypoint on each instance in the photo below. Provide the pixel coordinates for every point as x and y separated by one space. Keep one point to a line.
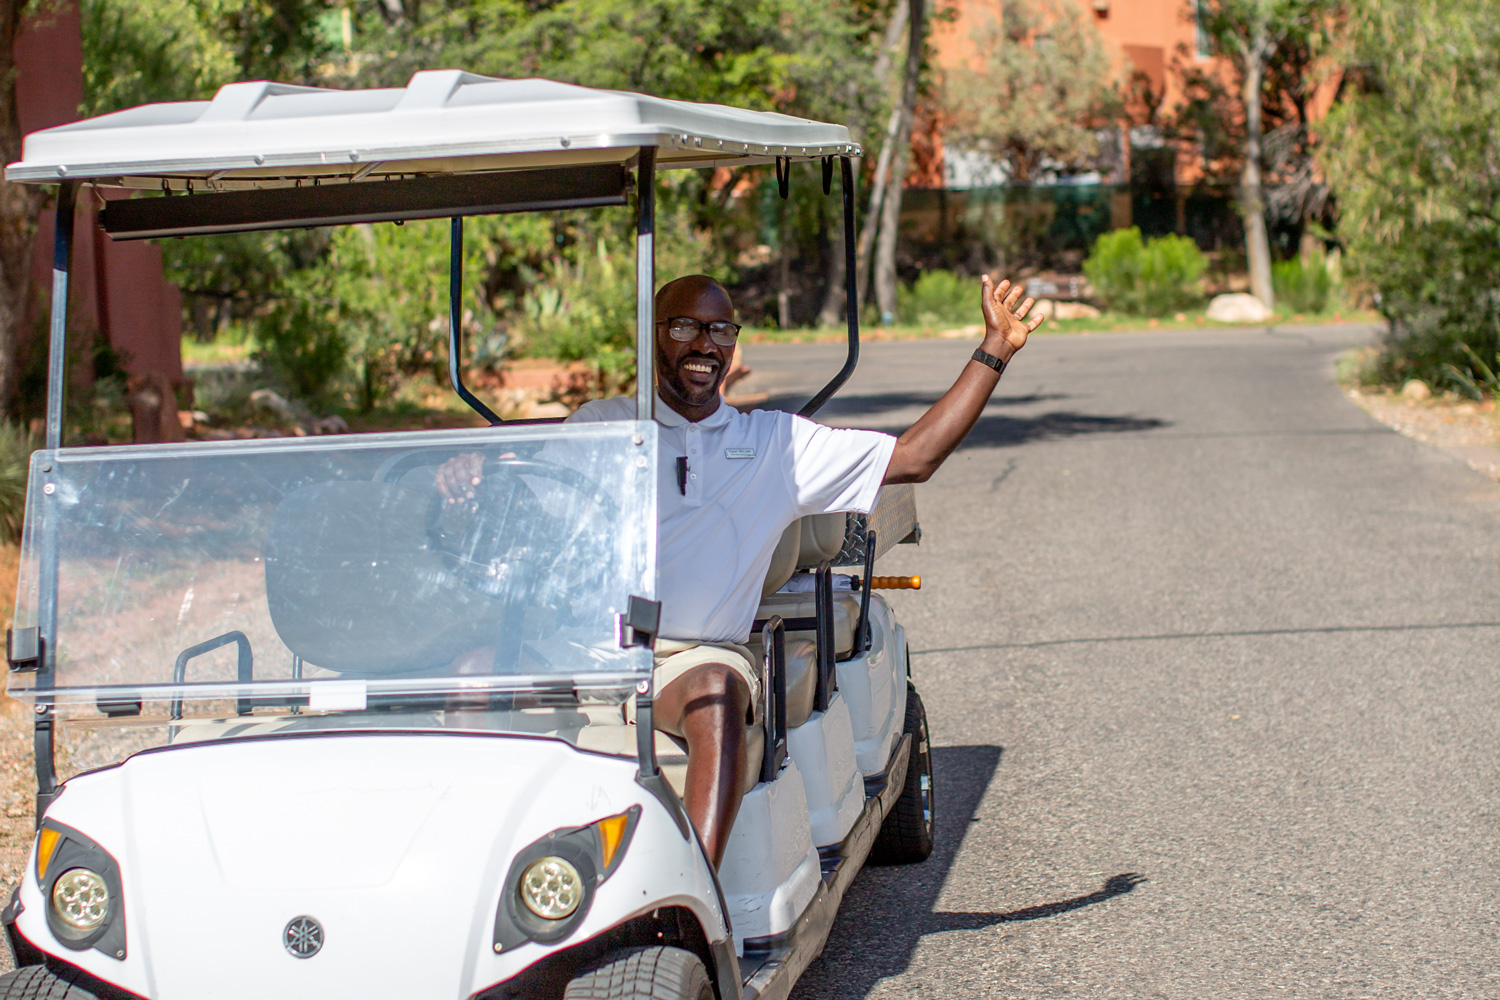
1005 325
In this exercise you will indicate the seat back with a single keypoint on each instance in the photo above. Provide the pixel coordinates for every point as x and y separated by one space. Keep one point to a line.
822 539
352 585
784 560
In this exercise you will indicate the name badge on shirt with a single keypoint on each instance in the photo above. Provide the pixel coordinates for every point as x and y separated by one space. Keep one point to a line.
739 452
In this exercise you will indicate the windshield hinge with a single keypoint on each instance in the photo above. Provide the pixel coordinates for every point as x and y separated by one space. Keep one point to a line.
23 648
639 624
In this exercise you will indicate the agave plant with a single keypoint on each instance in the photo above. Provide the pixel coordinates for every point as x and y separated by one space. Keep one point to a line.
1477 378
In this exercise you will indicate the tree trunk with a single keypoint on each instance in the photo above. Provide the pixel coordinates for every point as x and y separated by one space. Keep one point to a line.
19 206
877 199
784 282
1252 198
883 161
833 289
890 208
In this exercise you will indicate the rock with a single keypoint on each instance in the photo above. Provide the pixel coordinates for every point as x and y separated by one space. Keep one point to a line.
1238 307
964 332
152 401
272 402
547 411
334 424
1064 310
1415 389
1075 310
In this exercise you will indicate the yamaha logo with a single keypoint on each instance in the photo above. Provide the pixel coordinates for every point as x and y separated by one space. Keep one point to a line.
303 937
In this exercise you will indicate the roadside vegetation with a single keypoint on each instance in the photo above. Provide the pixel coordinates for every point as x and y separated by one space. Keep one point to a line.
1415 158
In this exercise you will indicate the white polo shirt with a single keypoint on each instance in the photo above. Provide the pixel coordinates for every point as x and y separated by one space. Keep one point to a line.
749 476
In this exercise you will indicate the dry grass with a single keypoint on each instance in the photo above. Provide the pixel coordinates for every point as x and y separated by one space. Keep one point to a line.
17 780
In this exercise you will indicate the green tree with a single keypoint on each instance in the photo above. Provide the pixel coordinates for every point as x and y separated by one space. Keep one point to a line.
1042 86
1415 158
162 50
1258 37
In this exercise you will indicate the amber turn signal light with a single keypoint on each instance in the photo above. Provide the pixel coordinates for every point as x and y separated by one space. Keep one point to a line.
896 582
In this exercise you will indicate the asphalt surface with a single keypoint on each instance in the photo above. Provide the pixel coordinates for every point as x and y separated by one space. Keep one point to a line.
1210 660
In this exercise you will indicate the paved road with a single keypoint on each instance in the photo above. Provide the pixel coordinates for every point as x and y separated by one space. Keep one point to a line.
1210 657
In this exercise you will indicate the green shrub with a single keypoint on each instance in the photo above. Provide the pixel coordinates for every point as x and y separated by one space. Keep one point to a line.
16 446
1302 287
582 307
1475 378
938 298
1150 278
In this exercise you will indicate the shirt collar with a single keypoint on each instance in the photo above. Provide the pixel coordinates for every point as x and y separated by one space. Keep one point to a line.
668 417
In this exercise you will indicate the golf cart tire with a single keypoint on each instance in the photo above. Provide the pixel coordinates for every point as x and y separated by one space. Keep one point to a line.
906 835
41 982
644 974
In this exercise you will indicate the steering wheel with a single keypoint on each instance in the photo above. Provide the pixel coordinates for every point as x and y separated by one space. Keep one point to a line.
510 544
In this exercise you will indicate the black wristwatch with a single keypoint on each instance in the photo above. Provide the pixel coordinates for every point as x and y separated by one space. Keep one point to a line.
986 358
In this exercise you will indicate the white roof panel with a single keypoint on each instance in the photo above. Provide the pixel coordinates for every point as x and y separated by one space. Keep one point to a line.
444 121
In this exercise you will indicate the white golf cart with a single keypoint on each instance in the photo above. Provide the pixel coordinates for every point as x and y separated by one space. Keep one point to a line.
243 652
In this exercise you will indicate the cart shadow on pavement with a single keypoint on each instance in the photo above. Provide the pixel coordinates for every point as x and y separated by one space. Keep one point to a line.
894 412
850 405
889 910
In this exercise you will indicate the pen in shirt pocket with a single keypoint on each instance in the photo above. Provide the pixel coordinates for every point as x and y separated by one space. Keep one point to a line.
682 471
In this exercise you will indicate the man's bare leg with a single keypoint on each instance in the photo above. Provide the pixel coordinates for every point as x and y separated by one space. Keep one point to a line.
711 701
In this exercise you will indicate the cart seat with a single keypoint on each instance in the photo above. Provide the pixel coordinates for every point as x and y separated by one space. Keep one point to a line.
352 585
815 539
801 676
790 606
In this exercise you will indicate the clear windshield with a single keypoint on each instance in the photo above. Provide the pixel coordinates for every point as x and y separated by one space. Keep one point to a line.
327 576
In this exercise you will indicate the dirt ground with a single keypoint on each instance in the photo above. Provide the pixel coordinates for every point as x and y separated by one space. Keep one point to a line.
17 781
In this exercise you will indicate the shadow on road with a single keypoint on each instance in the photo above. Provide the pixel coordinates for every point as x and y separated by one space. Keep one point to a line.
889 910
993 430
885 402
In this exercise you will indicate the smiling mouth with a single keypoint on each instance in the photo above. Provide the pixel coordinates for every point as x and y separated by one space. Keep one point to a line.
700 367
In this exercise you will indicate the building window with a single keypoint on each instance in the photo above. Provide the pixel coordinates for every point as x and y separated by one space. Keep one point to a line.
1200 22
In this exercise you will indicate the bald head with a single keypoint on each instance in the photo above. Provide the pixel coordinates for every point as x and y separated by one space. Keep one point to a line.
688 373
691 294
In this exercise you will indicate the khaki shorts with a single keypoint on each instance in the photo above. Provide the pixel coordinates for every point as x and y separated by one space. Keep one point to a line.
675 658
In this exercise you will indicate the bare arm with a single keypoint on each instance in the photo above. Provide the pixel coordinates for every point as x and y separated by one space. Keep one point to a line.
929 441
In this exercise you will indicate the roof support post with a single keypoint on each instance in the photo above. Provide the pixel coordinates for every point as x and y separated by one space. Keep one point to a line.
57 363
456 322
645 284
43 736
851 294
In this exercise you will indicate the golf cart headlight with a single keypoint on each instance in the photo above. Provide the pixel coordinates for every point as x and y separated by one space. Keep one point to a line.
81 899
551 888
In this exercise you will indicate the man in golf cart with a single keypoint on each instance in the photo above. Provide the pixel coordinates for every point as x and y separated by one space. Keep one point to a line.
731 483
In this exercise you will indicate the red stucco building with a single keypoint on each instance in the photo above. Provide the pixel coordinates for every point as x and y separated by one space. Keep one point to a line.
118 291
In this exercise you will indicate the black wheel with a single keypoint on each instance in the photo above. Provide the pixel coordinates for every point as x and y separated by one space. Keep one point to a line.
38 982
644 974
906 835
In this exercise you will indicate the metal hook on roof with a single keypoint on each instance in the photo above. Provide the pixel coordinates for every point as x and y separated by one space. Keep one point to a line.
784 175
828 175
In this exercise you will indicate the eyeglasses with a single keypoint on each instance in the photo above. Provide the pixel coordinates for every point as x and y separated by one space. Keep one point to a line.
685 329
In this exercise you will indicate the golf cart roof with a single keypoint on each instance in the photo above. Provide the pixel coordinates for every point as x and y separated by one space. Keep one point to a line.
262 135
